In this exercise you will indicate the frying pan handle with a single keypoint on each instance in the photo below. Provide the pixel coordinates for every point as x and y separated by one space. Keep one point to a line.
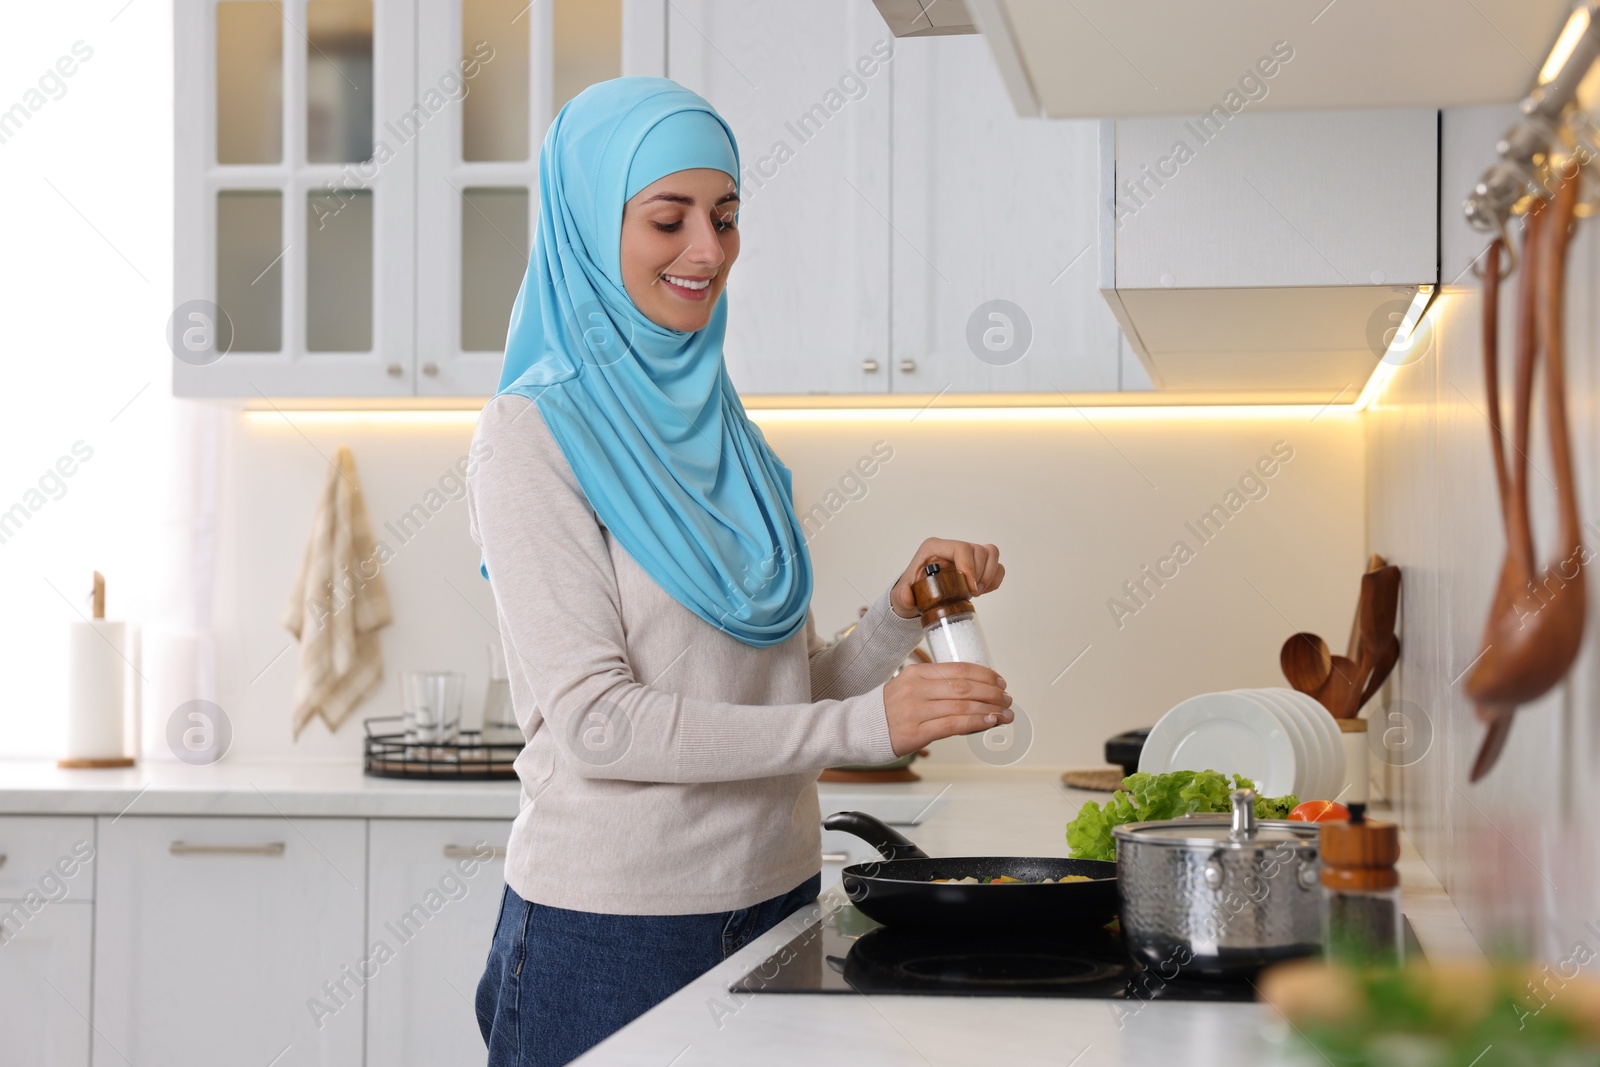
888 841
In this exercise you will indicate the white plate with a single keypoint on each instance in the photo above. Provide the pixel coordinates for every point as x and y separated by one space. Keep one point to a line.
1227 733
1314 783
1323 720
1309 771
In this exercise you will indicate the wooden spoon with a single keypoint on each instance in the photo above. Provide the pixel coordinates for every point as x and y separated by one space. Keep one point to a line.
1305 662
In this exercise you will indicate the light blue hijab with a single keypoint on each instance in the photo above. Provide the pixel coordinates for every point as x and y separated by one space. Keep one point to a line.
645 415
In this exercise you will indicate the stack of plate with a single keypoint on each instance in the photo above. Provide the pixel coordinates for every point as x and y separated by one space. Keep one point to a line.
1281 739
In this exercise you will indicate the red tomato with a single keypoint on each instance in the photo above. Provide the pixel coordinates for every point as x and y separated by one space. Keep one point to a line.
1320 811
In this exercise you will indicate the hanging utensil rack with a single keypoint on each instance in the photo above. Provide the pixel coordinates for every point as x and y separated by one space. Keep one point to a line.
1549 125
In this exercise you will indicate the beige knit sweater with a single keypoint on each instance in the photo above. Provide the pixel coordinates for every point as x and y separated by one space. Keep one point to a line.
669 768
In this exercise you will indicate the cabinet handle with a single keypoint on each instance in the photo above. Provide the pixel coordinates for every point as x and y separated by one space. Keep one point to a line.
836 857
907 366
183 848
394 370
466 852
431 369
870 366
2 859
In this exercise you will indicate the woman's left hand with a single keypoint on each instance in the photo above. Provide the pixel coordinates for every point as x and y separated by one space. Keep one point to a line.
980 564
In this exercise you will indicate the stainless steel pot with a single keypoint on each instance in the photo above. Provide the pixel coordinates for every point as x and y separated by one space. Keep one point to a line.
1219 895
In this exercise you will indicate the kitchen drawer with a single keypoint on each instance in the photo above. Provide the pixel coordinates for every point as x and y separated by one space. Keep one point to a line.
51 855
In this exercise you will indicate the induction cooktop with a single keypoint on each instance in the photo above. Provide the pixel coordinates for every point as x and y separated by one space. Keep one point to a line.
849 953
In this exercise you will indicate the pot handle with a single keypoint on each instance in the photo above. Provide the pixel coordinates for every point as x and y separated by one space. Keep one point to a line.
889 842
1244 814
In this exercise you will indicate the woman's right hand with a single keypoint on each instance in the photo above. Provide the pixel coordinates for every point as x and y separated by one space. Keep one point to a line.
929 701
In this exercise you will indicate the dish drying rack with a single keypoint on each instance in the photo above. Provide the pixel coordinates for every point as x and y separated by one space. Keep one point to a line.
385 753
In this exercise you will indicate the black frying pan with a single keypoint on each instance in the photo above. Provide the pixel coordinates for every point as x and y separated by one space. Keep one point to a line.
899 889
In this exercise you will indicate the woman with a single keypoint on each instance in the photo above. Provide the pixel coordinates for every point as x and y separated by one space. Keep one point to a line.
651 582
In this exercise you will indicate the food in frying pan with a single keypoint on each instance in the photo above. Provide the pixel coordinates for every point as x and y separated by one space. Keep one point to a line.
1000 879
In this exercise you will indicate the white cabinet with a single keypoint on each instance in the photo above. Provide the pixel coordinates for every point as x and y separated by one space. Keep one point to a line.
435 895
46 919
902 231
806 89
357 183
995 218
295 200
230 939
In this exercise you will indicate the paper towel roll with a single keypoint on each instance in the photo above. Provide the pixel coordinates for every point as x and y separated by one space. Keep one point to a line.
97 677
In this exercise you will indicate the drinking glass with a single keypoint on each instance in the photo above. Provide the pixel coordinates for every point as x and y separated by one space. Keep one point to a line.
499 723
431 704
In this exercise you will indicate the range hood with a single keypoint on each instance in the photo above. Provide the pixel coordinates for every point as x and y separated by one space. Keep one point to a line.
925 18
1274 258
1115 58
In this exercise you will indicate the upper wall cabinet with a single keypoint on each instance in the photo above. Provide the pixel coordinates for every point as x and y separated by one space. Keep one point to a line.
356 182
806 89
295 200
995 218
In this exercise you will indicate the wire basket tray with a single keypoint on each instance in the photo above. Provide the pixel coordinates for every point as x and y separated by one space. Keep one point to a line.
387 754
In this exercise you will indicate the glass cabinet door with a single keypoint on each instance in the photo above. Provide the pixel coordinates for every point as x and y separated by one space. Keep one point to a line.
511 65
296 195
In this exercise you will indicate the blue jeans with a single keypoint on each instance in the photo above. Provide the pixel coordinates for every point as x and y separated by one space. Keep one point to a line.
559 982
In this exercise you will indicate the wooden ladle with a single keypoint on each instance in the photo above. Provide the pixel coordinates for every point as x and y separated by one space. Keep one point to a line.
1528 643
1306 662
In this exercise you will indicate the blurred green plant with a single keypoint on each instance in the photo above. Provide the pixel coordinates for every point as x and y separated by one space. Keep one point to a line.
1450 1015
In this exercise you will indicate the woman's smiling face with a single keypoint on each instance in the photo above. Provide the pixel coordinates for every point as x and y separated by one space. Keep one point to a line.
679 241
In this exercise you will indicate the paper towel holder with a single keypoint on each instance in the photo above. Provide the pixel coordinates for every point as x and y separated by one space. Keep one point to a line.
98 606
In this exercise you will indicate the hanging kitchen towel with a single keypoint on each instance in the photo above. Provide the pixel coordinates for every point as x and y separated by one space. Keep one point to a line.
338 604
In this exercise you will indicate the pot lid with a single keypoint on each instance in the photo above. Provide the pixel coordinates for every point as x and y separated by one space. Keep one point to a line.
1238 830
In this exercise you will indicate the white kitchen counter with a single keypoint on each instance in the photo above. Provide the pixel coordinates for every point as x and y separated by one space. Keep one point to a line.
162 787
331 789
986 812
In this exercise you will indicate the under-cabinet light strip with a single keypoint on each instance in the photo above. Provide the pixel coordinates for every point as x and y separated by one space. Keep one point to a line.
1050 413
1402 349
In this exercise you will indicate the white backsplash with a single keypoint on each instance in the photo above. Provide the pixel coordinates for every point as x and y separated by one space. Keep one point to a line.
1520 851
1078 507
